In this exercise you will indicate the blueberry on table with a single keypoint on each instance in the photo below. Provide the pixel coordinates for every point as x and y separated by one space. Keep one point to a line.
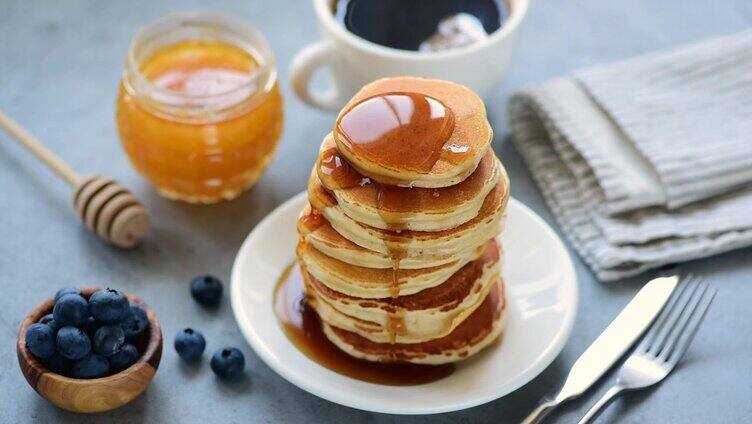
108 306
135 322
190 344
49 319
65 290
90 366
108 340
206 290
228 363
126 357
40 340
72 343
70 309
57 364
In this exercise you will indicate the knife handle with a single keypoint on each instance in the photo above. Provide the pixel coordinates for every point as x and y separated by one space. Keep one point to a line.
540 412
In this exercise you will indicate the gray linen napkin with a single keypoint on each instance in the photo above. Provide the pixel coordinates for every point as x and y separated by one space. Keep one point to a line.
647 161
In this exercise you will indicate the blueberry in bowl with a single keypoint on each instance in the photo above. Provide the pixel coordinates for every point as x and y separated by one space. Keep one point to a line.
108 306
70 309
71 343
86 359
135 322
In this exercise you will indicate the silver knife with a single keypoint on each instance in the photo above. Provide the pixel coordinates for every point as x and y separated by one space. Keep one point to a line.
611 345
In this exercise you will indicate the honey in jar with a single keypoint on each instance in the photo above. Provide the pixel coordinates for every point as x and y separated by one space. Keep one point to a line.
199 111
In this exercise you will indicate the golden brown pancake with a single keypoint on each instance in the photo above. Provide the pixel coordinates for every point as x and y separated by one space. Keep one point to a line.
457 154
391 207
425 315
375 283
476 332
317 231
409 243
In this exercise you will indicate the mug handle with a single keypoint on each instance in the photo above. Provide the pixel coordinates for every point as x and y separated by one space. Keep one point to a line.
304 65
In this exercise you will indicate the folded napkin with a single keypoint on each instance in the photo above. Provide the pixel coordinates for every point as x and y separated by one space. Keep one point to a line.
647 161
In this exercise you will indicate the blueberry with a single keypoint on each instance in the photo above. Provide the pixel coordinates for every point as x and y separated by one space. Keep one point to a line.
72 343
228 363
126 357
49 319
90 326
70 309
57 364
108 306
40 340
190 344
90 366
135 322
207 290
65 290
108 340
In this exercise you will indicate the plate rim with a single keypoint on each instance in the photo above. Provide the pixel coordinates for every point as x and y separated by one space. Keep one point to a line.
548 355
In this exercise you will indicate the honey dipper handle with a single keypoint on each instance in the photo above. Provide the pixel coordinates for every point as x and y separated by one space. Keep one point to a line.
37 148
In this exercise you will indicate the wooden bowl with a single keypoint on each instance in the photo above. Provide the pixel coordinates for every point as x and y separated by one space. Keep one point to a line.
97 394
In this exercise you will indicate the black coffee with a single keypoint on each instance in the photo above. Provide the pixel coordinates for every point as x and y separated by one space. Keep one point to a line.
421 24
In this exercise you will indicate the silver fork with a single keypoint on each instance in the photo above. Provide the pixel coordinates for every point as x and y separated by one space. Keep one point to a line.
663 346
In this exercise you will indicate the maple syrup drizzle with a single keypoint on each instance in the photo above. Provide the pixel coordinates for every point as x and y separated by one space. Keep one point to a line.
336 173
397 252
302 325
392 201
311 220
395 325
393 198
397 130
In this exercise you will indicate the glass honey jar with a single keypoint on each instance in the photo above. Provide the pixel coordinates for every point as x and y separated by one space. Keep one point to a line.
199 110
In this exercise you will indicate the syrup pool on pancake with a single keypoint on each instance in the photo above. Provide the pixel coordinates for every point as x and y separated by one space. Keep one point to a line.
408 129
414 132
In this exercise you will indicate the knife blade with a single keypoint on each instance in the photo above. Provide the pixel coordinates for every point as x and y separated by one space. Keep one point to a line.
611 345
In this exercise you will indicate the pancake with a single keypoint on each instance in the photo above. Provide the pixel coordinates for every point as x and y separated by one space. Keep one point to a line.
408 243
429 314
391 207
413 151
476 332
375 283
317 232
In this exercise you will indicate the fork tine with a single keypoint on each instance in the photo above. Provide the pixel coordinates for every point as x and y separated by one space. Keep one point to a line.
650 336
664 327
681 323
668 324
689 334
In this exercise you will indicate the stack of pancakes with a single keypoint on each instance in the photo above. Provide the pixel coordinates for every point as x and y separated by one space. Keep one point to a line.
398 244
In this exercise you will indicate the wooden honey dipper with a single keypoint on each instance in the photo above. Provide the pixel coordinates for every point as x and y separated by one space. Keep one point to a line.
106 207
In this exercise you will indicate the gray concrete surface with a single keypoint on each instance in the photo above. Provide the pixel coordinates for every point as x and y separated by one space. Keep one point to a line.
60 62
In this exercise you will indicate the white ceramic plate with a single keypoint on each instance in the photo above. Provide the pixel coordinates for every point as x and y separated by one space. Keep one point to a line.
542 294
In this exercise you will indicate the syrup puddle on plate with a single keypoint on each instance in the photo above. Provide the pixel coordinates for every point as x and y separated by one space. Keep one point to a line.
302 326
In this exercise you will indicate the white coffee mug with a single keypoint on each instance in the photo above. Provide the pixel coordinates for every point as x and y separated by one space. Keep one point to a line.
354 61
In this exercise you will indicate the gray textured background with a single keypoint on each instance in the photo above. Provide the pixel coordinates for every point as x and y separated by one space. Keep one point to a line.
60 62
